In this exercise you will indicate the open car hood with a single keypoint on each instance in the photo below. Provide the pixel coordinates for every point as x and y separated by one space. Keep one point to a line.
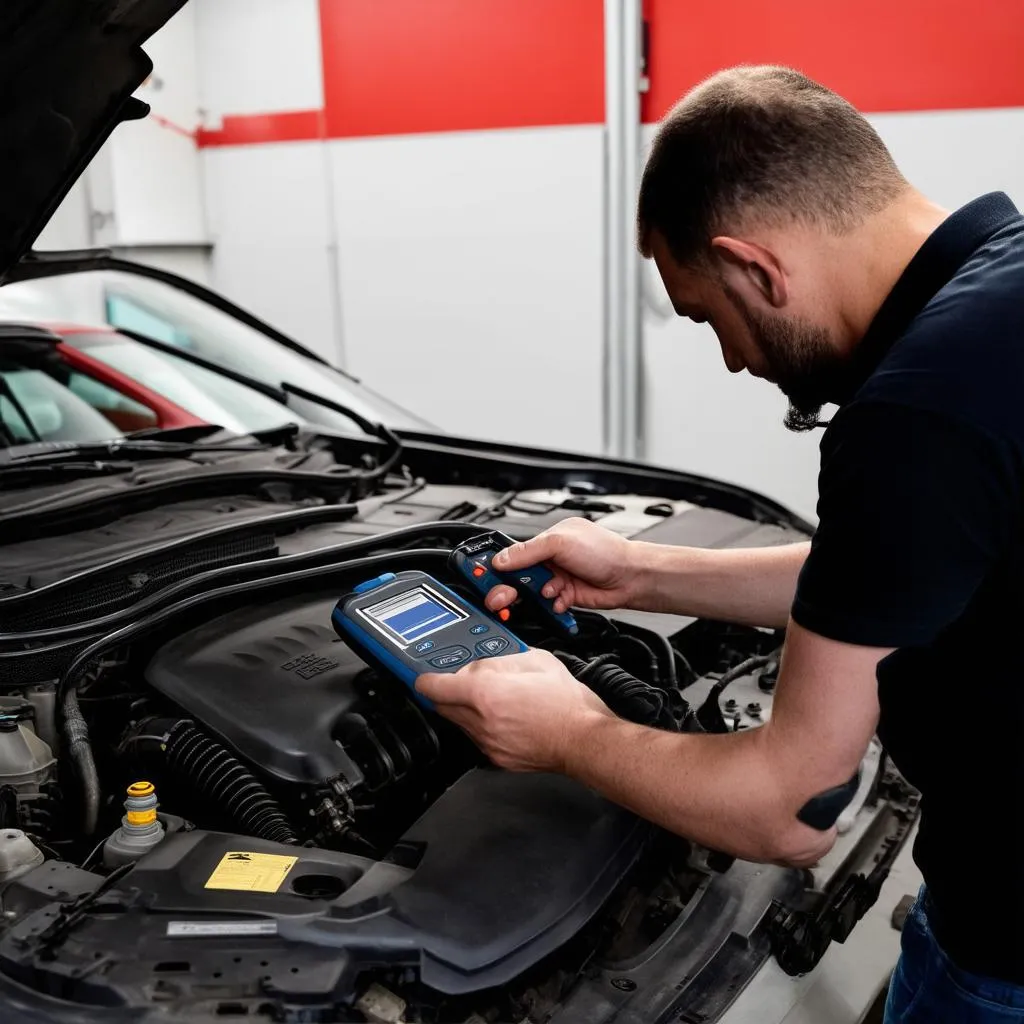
68 69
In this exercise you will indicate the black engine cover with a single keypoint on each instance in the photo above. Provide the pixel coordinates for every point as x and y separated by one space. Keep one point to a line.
277 686
509 868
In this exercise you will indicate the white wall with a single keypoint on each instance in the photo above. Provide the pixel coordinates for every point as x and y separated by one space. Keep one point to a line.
273 235
701 418
258 56
470 271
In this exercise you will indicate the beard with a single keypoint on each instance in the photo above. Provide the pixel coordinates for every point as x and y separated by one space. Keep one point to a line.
801 359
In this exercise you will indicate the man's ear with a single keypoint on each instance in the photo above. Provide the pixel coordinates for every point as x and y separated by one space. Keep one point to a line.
752 271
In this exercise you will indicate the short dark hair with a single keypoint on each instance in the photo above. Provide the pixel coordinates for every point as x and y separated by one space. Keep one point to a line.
760 142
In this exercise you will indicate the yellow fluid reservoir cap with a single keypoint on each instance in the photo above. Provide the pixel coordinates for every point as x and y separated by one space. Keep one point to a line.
138 789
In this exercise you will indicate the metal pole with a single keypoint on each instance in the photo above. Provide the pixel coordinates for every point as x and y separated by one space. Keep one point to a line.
623 356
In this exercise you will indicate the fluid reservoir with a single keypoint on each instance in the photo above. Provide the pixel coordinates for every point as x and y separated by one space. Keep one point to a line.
26 762
18 855
140 829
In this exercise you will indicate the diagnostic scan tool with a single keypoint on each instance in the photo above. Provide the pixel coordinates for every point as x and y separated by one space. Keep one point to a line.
407 623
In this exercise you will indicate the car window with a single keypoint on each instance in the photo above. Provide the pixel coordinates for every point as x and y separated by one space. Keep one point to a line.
35 407
127 414
208 395
165 313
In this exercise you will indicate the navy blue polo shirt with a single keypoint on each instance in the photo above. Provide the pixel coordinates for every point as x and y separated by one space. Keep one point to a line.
920 547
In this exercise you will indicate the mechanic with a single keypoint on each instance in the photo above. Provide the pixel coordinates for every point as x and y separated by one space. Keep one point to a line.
775 213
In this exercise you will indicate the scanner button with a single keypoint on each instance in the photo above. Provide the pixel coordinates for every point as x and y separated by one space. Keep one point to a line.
495 645
425 645
478 571
450 658
481 628
504 614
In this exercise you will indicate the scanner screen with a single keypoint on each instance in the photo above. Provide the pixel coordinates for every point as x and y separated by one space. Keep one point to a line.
413 615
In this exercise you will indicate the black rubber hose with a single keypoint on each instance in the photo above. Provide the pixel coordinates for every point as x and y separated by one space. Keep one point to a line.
625 694
230 786
744 668
76 731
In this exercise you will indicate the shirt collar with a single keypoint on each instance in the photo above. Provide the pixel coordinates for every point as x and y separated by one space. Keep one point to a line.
933 266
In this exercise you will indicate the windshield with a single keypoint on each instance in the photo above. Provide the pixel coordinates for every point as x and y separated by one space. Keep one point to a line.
164 313
207 395
35 407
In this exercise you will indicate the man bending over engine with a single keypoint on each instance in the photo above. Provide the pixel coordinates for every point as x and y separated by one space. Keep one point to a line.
775 213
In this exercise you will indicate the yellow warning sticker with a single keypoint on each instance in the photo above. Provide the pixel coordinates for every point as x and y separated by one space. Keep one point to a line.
251 872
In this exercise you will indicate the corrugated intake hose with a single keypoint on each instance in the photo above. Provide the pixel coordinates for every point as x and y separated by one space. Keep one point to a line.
229 785
626 695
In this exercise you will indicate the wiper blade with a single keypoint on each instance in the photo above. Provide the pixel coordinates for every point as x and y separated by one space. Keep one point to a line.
94 468
193 432
280 394
55 452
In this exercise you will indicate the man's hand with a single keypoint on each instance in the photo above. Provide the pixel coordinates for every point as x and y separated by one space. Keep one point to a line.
524 711
593 567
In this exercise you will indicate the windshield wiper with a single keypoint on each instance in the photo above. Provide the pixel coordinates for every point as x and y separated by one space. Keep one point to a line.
8 392
57 452
193 432
63 469
280 394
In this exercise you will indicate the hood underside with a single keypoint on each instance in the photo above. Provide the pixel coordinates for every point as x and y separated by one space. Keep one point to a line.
68 69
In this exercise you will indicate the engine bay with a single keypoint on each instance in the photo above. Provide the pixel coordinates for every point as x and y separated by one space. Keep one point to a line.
321 848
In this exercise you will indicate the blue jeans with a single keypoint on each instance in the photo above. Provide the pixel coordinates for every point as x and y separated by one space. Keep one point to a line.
927 988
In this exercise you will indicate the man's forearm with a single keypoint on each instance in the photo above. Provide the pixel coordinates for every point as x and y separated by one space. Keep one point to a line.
752 586
723 792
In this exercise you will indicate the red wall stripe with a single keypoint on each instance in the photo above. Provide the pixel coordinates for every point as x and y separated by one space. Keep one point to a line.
396 67
880 54
294 126
400 66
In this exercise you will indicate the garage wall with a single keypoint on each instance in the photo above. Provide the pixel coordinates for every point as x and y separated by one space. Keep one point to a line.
425 208
416 190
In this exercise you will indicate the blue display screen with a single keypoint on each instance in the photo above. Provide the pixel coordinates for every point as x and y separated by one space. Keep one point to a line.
413 615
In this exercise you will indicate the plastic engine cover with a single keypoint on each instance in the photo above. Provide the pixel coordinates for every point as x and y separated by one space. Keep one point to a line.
510 867
272 682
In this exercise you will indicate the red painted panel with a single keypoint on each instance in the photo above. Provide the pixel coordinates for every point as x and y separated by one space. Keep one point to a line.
880 54
403 66
238 130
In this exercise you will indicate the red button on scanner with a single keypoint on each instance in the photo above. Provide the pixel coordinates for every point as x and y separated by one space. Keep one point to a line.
478 571
504 614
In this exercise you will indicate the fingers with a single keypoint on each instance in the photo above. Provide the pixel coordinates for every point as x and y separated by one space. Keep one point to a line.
558 589
500 597
538 549
446 687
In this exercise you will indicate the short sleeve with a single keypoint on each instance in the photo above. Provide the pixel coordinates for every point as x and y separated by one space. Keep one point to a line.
915 509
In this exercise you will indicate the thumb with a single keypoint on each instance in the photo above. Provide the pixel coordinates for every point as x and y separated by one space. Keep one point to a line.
444 687
538 549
